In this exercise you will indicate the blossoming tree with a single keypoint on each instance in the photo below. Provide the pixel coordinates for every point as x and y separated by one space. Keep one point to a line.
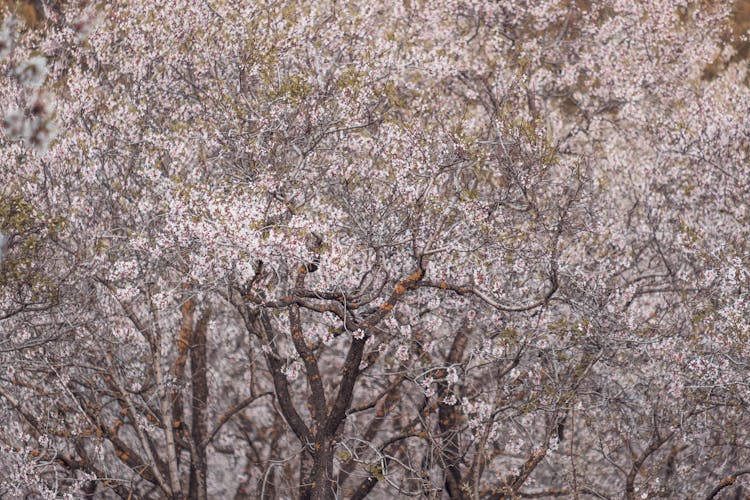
345 250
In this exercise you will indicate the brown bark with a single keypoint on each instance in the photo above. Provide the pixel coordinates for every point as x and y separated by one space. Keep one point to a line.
448 419
184 340
320 484
199 427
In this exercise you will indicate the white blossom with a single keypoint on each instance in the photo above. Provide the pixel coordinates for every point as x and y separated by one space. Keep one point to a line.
32 72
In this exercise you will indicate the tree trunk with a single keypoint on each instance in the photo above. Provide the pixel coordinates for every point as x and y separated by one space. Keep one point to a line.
320 484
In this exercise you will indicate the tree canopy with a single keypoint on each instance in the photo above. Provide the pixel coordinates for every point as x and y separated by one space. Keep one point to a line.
415 248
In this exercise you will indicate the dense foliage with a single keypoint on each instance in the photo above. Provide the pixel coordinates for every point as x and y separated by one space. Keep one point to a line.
427 248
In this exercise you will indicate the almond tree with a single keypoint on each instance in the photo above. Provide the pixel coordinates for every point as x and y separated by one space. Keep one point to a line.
429 249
